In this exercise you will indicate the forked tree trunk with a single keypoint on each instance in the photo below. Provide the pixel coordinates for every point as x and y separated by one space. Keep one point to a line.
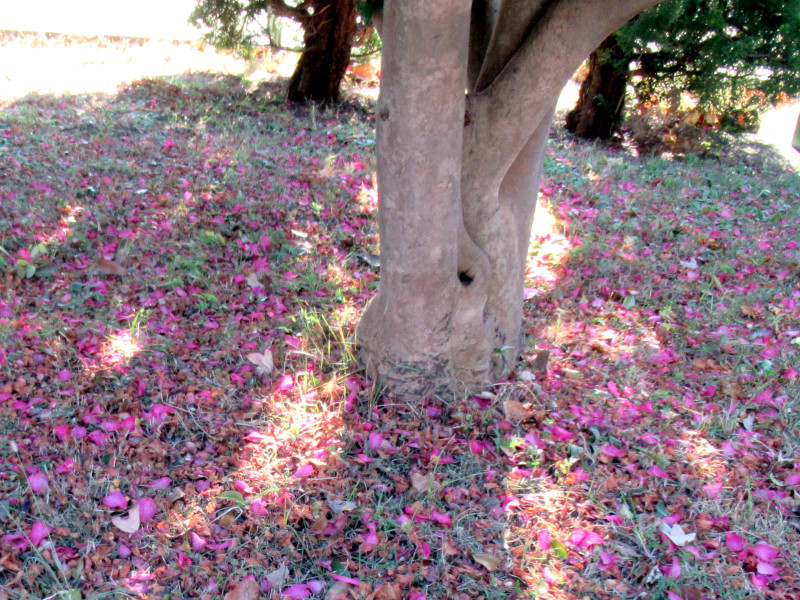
328 38
458 178
602 94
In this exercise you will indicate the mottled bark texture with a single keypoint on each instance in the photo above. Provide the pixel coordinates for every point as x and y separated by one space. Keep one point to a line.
458 178
329 30
602 94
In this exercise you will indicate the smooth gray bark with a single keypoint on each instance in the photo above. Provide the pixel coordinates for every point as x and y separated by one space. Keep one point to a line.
458 178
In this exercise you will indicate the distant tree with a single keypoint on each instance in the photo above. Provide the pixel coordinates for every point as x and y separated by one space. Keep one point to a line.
735 56
329 28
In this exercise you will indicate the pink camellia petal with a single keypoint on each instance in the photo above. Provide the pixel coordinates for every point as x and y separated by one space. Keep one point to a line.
375 440
39 532
607 560
534 440
256 436
115 500
61 432
713 490
123 551
243 486
259 507
759 581
657 471
344 579
673 596
305 471
441 518
147 509
613 451
649 439
316 586
548 575
765 552
182 560
198 543
64 374
38 482
581 538
544 539
285 383
562 435
673 571
160 484
298 591
417 596
735 543
767 569
792 479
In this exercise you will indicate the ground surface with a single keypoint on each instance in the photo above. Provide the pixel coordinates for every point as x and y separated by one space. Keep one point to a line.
183 262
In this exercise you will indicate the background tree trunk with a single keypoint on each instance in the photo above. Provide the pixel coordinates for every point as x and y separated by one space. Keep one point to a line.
602 94
328 38
796 138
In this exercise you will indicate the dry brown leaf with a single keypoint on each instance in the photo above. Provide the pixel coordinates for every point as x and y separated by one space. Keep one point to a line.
246 589
319 525
421 483
279 577
175 495
691 593
338 591
540 362
515 411
263 361
489 561
108 267
339 506
252 281
129 524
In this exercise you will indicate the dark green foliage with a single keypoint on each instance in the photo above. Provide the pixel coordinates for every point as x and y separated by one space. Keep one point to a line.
230 23
735 56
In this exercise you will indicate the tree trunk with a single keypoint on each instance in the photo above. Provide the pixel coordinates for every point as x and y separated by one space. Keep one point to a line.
796 138
602 94
328 37
458 178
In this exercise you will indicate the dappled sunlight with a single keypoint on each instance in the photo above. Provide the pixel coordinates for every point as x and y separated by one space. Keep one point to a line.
119 349
548 249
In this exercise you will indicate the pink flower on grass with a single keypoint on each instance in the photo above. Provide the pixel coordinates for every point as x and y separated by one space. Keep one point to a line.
38 482
116 500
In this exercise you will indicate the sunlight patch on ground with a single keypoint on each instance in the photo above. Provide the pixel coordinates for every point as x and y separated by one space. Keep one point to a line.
548 248
120 348
59 65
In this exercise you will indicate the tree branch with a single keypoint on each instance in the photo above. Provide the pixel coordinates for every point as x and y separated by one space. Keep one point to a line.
513 22
299 13
502 117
